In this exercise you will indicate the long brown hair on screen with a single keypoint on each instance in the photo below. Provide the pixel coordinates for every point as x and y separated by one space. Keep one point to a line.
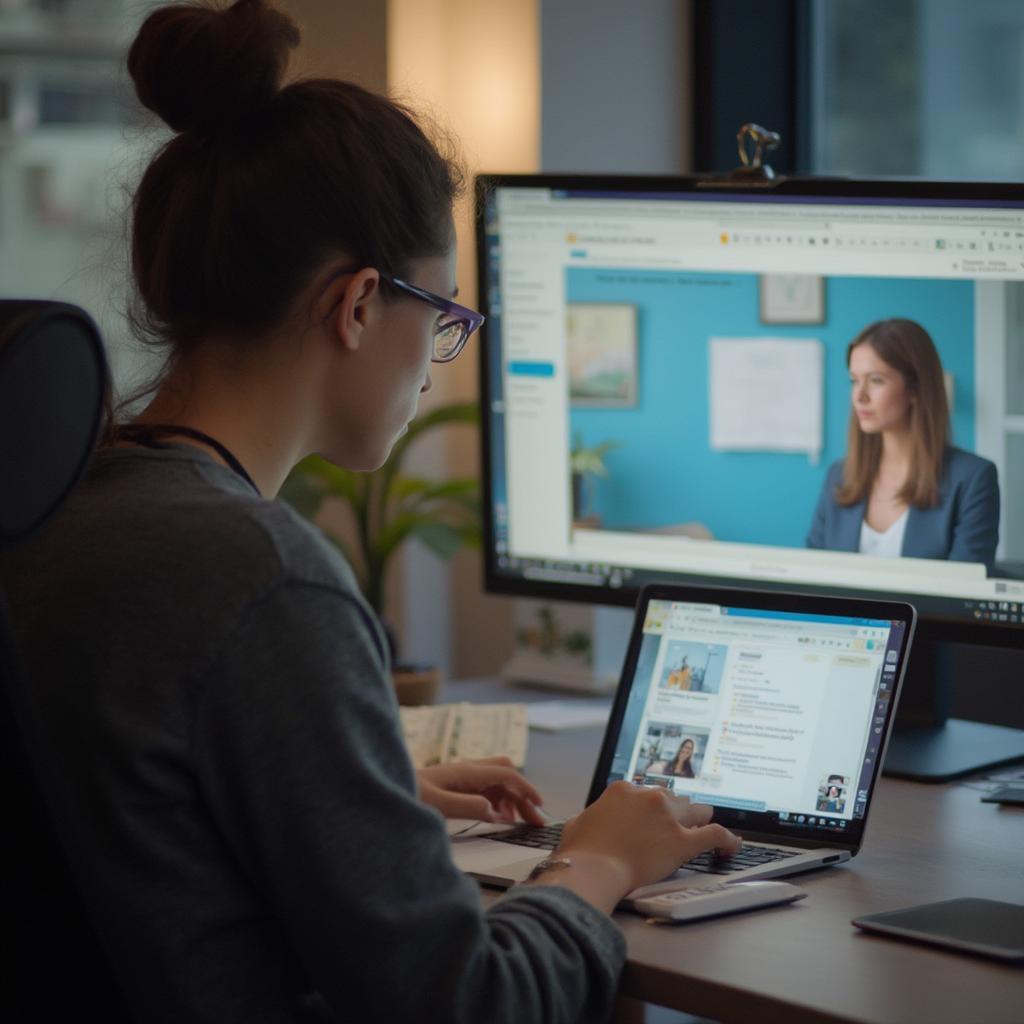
679 766
908 348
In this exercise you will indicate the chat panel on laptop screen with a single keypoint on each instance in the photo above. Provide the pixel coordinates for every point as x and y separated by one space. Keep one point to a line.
767 711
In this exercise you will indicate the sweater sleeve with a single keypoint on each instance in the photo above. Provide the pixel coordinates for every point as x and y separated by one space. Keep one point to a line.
300 757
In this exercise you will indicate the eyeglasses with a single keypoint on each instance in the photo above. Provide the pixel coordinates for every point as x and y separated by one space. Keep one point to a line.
452 333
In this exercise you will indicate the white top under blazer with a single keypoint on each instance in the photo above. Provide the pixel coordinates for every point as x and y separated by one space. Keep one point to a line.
883 545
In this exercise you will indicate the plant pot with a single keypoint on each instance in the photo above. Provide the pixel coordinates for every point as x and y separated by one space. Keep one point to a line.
577 496
416 684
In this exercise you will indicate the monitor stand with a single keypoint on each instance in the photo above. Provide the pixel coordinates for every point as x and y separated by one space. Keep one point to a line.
927 745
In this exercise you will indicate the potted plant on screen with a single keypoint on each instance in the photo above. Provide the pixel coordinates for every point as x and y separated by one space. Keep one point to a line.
388 507
585 464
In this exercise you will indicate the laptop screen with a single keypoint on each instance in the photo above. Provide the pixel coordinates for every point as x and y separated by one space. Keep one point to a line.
776 718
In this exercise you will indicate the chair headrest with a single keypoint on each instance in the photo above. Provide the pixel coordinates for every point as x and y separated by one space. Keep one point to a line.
53 379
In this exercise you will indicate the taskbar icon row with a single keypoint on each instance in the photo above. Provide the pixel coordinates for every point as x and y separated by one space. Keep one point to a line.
556 571
1009 612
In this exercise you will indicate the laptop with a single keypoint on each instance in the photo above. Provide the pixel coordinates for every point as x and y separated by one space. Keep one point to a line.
773 708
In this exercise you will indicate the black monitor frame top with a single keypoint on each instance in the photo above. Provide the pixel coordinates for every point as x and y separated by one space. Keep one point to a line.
936 623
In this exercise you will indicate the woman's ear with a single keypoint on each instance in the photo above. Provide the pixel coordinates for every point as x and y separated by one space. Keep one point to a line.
345 306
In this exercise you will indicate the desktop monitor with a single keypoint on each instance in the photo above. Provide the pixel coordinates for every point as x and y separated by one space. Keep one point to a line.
667 395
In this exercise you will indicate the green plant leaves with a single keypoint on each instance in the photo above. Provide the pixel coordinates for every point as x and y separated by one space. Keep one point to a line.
590 460
304 493
388 508
342 483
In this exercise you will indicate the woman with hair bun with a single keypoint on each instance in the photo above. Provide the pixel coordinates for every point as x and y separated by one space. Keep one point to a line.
210 692
903 489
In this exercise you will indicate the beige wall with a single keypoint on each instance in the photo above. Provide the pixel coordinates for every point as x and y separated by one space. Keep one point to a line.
473 65
341 39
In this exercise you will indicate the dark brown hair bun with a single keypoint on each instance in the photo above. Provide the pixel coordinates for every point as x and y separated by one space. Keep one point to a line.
267 186
201 68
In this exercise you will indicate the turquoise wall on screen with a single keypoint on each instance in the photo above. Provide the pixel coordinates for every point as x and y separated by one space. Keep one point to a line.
665 472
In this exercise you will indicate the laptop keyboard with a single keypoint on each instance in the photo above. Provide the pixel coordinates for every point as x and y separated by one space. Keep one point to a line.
547 837
540 837
747 857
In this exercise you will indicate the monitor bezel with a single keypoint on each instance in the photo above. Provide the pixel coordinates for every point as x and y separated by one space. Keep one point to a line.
931 626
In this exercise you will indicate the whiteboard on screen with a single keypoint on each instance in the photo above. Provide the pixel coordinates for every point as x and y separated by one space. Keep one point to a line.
767 394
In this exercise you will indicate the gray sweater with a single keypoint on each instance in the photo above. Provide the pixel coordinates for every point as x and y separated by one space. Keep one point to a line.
219 742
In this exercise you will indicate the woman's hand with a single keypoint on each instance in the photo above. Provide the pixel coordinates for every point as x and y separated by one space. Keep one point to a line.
488 790
633 836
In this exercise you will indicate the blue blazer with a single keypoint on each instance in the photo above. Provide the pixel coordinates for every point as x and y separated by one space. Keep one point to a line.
962 527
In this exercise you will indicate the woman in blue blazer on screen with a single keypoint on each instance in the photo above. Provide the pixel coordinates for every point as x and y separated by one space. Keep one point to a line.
903 489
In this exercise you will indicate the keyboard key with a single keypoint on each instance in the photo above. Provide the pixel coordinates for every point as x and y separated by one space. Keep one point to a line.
537 837
747 857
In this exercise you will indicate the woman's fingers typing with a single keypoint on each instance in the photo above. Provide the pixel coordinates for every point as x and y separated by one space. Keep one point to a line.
690 814
713 837
489 789
649 831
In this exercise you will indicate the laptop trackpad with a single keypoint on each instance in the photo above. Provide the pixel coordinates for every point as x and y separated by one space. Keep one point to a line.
493 859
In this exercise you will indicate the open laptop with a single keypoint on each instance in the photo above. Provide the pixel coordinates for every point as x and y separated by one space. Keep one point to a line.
773 708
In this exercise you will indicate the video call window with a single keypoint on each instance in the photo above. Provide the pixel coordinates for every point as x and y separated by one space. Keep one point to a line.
699 386
704 454
692 667
673 750
832 795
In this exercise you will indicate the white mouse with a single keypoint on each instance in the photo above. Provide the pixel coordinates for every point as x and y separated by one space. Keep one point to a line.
695 902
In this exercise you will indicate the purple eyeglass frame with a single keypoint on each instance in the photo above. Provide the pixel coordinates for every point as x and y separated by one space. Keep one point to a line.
470 319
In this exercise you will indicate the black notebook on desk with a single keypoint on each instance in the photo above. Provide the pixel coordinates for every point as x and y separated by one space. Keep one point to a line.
985 927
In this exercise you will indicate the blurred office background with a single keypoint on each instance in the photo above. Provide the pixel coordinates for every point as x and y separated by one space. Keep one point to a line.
933 88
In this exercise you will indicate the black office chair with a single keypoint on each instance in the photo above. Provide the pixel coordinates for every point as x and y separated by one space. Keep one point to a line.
52 385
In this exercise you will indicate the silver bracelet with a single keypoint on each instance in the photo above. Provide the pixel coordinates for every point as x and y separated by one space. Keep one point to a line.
548 864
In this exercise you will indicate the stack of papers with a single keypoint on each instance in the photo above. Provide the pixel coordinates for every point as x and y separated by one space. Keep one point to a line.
439 733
